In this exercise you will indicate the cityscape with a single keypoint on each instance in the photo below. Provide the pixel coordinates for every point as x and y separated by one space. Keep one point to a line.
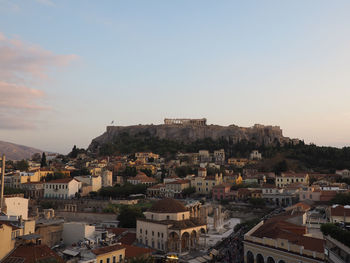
174 131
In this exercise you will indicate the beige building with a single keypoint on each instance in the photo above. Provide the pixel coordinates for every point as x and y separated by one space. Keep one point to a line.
290 178
94 181
175 188
204 185
107 178
168 227
144 157
7 239
16 206
219 156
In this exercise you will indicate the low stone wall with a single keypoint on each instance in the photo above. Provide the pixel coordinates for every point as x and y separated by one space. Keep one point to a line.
86 217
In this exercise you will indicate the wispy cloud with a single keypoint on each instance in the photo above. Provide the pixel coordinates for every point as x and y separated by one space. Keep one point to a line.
20 62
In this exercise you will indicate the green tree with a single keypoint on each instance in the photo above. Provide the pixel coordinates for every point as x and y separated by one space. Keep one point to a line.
74 152
336 232
258 202
189 191
21 165
341 199
43 160
128 215
36 157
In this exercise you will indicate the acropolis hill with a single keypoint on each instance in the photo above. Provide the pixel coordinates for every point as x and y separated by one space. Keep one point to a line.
190 130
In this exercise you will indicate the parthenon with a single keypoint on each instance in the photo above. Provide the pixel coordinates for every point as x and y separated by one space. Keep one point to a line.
192 122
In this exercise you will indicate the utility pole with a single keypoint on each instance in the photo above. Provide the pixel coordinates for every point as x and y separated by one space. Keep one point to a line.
2 182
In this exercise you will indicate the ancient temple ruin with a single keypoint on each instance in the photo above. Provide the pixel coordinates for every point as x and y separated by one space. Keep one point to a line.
190 122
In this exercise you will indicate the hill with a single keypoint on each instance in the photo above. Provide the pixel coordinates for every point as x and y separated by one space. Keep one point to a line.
17 152
183 137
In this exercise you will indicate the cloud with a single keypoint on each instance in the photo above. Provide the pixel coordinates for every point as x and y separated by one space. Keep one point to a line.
19 60
22 63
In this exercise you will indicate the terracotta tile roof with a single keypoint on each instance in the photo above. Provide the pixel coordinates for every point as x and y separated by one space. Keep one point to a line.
128 239
33 254
133 251
293 233
117 230
143 178
104 250
61 181
223 185
168 205
339 210
180 182
157 186
299 175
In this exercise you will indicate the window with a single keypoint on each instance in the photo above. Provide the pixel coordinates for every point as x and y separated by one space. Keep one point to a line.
101 261
167 217
162 235
107 260
152 233
296 180
183 217
141 230
114 259
146 232
152 243
158 234
120 258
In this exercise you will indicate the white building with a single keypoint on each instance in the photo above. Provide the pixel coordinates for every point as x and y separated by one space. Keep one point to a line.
219 156
16 206
73 232
255 155
65 188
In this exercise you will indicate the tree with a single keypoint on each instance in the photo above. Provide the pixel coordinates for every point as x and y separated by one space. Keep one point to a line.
282 166
341 199
43 160
36 157
189 191
128 215
21 165
258 202
74 152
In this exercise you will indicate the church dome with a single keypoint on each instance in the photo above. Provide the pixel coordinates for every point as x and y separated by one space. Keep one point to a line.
168 205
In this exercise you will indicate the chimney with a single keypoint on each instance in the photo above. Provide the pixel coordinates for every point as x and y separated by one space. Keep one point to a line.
2 183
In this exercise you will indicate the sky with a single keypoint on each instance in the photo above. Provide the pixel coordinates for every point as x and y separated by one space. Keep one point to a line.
69 68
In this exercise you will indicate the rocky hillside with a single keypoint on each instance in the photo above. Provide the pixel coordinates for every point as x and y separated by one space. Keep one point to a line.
259 134
16 151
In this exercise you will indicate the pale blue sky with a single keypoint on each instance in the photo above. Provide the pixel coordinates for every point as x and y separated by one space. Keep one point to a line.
283 63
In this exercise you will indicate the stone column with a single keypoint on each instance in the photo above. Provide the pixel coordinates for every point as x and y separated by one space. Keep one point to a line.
180 242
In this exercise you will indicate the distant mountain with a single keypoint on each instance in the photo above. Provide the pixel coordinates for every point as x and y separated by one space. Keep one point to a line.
16 151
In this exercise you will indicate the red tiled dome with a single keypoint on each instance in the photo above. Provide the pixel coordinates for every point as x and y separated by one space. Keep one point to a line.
168 205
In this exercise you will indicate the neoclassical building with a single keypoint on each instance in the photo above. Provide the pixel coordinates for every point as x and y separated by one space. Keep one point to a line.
283 239
171 227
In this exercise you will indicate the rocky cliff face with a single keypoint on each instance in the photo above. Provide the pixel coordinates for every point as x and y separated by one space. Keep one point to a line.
186 133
